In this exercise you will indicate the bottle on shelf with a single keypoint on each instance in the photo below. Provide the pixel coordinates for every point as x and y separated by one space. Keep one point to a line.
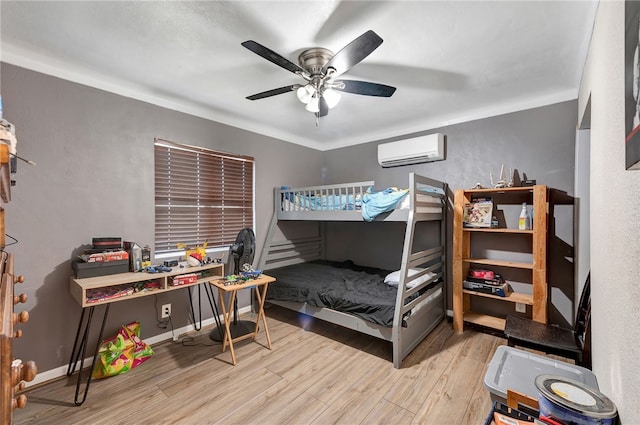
523 222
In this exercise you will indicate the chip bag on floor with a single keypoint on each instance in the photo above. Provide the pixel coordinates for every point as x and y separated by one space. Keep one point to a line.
141 351
121 353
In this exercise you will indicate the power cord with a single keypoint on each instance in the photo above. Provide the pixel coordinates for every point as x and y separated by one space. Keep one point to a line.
15 241
187 341
164 324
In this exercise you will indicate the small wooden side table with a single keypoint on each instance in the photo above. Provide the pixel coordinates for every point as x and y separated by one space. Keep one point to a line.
260 284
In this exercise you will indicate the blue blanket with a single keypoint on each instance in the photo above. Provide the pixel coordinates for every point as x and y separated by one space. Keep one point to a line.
376 203
323 203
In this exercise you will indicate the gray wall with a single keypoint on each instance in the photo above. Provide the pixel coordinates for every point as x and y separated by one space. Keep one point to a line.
94 177
583 212
614 225
538 142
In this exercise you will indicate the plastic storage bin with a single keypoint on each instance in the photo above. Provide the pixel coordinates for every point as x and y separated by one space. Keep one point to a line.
515 369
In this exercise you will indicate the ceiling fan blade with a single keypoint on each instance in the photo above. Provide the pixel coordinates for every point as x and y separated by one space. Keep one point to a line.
353 53
272 56
366 88
273 92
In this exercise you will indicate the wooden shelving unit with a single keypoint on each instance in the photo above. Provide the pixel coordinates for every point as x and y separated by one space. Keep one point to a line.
535 196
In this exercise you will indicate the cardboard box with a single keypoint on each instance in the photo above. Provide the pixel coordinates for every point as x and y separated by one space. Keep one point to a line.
99 268
106 256
184 279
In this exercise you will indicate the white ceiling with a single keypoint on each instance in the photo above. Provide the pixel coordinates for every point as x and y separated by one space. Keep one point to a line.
451 61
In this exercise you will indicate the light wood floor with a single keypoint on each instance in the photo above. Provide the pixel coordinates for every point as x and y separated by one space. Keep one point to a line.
316 373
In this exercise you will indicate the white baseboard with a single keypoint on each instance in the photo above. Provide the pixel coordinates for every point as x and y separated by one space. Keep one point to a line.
51 374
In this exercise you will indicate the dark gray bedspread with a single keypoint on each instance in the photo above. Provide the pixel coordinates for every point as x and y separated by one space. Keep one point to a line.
344 287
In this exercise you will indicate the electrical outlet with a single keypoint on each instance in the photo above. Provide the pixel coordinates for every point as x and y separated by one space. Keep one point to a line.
520 307
166 311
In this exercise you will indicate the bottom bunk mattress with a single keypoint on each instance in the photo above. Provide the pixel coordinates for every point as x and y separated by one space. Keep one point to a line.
341 286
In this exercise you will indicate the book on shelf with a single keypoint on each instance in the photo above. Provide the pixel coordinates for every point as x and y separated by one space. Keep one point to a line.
477 214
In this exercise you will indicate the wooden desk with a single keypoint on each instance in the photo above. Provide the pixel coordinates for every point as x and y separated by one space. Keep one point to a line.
83 291
260 284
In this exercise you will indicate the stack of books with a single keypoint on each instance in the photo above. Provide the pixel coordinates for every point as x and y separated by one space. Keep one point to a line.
486 282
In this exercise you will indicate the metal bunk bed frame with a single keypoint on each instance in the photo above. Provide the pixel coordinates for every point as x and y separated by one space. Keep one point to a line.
427 310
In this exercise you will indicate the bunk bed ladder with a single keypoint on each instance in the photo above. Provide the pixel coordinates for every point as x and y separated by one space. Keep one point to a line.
413 260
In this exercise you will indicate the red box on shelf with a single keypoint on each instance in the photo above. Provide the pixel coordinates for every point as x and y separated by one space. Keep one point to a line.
105 257
184 279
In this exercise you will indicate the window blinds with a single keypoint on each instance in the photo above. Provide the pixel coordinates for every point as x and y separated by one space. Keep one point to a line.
200 195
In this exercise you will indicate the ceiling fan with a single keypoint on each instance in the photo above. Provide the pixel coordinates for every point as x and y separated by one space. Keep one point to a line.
320 68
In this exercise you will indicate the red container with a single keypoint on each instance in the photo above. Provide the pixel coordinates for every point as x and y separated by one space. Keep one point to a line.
484 274
184 279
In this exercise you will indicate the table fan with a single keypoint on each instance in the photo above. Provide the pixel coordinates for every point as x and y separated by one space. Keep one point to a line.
242 251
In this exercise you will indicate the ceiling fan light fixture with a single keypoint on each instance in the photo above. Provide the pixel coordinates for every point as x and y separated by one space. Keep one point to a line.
305 93
332 97
313 105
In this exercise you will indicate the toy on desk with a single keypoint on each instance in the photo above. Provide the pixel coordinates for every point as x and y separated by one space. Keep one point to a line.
144 286
201 250
249 272
157 269
246 275
194 259
231 279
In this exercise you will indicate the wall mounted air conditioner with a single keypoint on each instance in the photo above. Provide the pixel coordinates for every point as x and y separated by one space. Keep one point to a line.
412 151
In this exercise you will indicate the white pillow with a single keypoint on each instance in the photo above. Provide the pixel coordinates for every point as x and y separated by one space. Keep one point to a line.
393 278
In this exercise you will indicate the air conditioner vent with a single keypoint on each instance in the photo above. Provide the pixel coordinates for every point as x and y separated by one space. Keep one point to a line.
416 150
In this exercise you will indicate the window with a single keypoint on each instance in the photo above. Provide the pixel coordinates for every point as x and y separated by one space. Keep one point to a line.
201 195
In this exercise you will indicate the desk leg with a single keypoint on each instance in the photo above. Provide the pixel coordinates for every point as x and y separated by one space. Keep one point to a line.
226 314
193 312
73 361
212 302
261 316
80 354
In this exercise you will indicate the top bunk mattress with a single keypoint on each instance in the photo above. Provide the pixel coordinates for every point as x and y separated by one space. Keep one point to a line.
359 201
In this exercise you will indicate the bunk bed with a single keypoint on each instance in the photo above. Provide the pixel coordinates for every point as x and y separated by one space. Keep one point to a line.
362 298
